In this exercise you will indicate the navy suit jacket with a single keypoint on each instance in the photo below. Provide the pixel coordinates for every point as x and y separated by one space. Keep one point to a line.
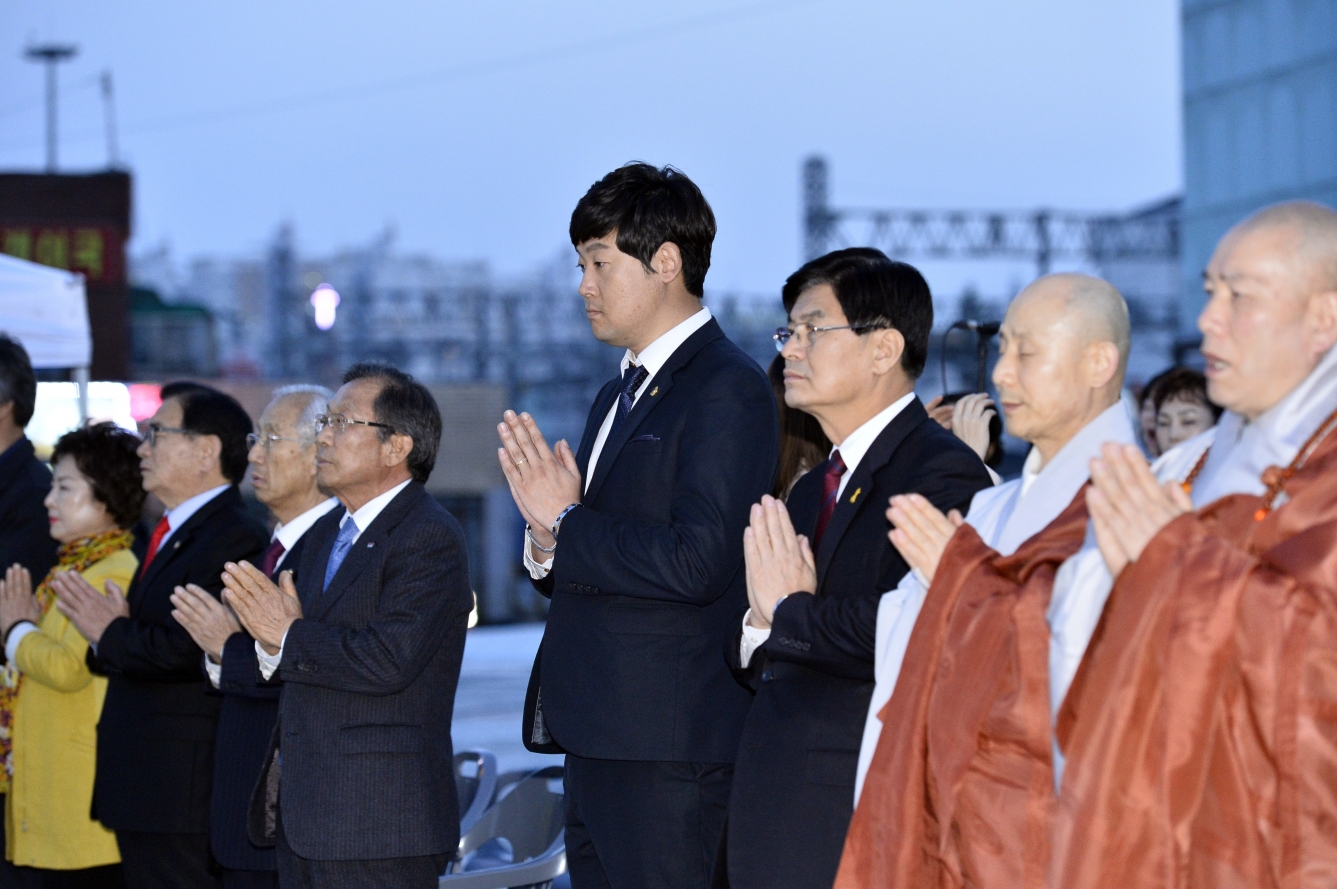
648 574
793 789
25 532
245 725
155 742
369 676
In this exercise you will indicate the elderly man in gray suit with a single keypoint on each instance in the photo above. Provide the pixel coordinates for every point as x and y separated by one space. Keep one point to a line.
360 789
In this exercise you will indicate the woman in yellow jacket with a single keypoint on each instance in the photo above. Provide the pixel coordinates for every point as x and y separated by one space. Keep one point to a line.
56 702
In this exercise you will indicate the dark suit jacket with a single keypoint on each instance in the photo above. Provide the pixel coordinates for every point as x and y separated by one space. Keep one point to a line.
25 532
369 676
793 790
156 736
245 726
648 573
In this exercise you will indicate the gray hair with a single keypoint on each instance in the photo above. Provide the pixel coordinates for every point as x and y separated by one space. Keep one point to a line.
318 404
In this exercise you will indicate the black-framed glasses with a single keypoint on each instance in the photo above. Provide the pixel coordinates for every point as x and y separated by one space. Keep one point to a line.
153 430
256 438
805 334
338 422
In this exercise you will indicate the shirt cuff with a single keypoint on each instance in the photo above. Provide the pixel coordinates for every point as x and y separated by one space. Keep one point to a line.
537 570
753 638
214 671
269 663
16 634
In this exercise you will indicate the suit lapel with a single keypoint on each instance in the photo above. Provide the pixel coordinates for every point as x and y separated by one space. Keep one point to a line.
181 536
317 544
363 550
859 489
602 404
660 384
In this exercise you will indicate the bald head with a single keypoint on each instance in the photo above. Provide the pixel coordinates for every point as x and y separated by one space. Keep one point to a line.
1063 351
1308 235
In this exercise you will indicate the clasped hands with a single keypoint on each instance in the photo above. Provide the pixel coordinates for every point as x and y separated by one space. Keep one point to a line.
266 609
1128 505
91 612
921 532
544 481
17 602
778 562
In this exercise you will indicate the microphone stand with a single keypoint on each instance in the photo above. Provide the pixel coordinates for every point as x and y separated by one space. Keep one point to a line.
984 331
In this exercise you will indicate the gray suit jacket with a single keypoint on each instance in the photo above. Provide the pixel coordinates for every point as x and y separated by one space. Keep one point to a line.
369 676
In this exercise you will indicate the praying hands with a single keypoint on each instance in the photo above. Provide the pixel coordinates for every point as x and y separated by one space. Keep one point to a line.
264 608
778 561
91 612
921 532
1128 505
544 481
208 621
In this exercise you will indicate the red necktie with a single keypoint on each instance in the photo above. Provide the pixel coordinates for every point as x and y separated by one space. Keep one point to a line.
835 468
271 557
159 532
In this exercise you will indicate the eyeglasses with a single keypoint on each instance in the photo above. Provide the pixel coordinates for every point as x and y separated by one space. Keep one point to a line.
256 438
805 334
153 430
338 422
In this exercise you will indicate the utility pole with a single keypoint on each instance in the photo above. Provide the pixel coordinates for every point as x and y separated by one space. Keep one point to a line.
51 54
109 113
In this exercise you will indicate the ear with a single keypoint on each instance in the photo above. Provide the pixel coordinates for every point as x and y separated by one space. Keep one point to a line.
668 262
1321 319
888 347
396 449
209 450
1100 363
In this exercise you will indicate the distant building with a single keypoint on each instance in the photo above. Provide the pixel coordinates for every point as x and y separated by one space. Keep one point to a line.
1260 117
170 339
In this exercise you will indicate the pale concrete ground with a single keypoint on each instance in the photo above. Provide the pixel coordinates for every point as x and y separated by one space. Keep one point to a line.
491 696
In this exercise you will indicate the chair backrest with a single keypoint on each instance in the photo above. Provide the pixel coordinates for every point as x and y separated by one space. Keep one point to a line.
476 783
528 814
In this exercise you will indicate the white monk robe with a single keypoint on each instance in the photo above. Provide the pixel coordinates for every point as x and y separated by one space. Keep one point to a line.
1240 452
1005 517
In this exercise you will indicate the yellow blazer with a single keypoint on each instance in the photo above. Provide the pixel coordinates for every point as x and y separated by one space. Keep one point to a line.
56 712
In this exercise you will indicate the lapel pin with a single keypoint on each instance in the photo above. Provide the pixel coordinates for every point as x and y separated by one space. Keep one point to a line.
654 392
855 495
370 544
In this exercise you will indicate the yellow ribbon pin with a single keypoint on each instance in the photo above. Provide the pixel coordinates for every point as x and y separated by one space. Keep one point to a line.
855 495
654 392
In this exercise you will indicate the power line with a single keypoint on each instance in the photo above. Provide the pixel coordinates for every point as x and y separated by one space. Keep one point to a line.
615 41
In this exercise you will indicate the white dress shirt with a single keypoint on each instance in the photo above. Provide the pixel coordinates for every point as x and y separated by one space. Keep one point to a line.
1005 517
363 518
652 358
852 451
288 535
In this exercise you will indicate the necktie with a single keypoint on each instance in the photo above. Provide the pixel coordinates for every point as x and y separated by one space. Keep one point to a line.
632 378
342 544
835 468
155 540
270 560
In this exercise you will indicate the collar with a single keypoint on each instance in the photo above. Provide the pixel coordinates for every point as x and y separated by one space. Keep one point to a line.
181 513
368 512
857 443
655 355
288 534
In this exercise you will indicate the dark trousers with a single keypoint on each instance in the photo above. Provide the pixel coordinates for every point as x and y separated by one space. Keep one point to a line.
250 879
168 860
643 825
295 872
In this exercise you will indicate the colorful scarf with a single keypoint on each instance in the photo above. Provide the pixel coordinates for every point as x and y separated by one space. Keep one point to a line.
79 555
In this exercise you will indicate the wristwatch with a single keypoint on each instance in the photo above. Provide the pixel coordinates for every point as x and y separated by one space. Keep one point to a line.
557 525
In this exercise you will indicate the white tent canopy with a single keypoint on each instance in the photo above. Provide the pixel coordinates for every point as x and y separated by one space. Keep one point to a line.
45 309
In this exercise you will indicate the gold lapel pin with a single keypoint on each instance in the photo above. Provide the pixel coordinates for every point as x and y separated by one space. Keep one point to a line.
654 392
855 495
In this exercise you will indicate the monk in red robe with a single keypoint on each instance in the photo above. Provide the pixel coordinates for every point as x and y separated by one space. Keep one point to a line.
1200 733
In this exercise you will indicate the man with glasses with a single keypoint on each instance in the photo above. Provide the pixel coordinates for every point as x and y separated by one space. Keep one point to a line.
156 735
856 342
359 787
283 471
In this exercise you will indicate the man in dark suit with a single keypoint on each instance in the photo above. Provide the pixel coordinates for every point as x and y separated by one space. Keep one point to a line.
283 473
156 734
856 342
647 577
25 533
360 784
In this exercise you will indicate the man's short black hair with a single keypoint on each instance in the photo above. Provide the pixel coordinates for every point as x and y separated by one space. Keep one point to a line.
408 408
875 291
206 411
18 383
104 453
648 207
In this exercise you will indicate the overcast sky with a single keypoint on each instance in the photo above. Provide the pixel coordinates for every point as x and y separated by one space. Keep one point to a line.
474 128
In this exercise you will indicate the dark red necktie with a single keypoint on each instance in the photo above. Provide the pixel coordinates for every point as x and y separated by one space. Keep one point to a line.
835 468
270 561
155 540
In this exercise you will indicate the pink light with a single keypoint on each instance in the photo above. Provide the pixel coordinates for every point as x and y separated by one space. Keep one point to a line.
145 399
325 300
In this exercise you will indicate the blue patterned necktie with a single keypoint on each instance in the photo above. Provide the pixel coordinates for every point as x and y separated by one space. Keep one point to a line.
342 544
632 378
